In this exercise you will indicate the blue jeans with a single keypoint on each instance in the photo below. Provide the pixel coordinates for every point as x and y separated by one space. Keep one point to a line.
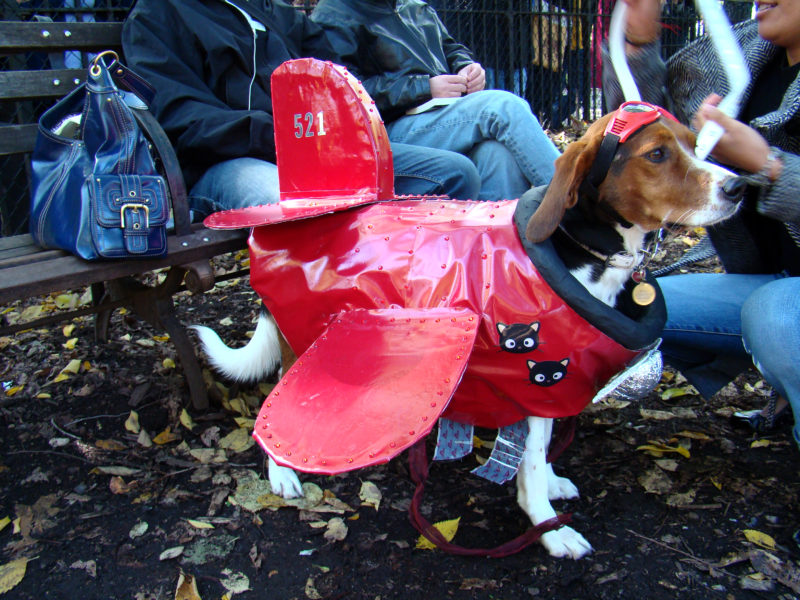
523 153
241 182
720 323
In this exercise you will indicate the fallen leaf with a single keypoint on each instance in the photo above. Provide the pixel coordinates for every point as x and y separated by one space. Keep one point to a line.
12 573
684 499
237 440
70 344
113 445
655 481
186 420
199 524
138 530
165 437
336 530
168 363
4 522
658 449
234 582
311 590
116 470
132 422
759 539
144 439
170 553
784 571
89 566
72 368
68 329
187 588
695 435
760 444
447 528
370 495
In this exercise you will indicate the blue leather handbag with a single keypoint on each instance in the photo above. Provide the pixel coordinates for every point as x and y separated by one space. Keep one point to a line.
96 191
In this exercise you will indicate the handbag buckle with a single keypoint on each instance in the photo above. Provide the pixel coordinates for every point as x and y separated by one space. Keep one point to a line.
134 206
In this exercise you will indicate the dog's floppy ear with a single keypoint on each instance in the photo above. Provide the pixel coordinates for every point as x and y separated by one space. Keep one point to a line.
571 169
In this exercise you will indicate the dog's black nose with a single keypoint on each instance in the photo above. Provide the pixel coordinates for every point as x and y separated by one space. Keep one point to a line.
733 188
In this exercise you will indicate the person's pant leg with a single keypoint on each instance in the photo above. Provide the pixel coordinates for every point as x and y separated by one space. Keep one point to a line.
771 333
487 115
235 183
703 334
419 170
500 176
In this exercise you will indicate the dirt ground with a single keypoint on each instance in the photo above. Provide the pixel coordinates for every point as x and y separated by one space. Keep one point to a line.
113 487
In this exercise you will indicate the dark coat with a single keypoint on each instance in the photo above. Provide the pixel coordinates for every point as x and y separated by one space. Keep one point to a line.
211 70
393 46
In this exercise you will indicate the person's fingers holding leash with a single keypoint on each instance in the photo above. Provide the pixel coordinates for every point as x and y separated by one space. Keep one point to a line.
740 146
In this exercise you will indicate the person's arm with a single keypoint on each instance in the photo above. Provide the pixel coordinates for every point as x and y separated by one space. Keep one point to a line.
158 45
643 53
394 91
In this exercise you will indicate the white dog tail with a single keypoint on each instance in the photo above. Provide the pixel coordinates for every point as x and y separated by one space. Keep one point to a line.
253 362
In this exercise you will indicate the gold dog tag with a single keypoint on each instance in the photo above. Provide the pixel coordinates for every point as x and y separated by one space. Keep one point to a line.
643 293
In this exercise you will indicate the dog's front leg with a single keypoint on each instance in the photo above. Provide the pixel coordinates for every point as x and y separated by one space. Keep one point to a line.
533 483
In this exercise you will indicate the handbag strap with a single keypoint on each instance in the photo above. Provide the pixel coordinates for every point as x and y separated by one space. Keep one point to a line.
124 77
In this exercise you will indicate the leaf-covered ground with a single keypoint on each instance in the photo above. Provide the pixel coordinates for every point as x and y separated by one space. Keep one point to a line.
113 487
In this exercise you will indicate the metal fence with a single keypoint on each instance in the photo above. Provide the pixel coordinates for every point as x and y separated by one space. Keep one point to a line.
547 51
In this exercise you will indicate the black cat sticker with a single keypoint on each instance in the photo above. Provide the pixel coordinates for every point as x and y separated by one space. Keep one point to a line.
518 337
547 372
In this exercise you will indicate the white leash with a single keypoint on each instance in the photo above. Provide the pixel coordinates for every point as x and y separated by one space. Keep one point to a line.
730 55
729 52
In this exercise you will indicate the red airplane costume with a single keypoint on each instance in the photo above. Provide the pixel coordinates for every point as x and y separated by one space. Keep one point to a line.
410 309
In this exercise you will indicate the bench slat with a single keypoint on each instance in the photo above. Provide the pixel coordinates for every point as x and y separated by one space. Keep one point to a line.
18 36
68 272
17 139
49 83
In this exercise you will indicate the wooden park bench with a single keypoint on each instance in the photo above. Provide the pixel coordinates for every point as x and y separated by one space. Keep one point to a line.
28 271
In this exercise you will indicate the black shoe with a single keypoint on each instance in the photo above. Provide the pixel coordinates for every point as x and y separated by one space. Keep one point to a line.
762 420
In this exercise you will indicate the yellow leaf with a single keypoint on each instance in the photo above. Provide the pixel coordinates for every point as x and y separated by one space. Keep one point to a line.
186 420
759 539
760 444
695 435
716 483
200 524
12 573
168 363
87 366
110 445
370 495
165 437
132 422
71 369
68 329
240 406
14 390
447 528
187 588
70 344
245 422
66 300
675 392
237 440
658 449
161 338
4 522
43 396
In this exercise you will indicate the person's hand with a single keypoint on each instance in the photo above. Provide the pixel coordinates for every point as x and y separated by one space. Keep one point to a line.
644 21
476 77
740 146
448 86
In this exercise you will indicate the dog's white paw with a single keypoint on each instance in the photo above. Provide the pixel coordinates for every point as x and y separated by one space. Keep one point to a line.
284 481
560 488
566 542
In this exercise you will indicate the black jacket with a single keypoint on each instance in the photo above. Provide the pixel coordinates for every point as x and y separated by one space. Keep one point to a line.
211 71
393 46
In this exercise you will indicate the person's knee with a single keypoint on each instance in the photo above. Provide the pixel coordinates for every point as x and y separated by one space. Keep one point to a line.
507 103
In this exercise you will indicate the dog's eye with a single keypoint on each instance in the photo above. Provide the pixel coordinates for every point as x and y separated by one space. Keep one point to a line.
656 155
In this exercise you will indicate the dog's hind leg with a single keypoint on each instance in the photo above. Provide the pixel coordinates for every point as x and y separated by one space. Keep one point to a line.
284 481
533 490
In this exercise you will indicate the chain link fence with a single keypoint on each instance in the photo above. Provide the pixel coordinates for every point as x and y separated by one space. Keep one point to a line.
547 51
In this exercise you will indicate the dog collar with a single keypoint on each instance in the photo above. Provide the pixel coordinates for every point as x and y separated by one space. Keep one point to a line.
629 118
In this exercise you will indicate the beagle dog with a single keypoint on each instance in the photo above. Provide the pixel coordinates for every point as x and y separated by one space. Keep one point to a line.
632 174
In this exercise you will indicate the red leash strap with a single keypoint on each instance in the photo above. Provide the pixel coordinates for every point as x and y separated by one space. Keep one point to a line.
565 433
418 464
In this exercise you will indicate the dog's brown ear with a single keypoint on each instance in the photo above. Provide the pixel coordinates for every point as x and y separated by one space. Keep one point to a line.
571 169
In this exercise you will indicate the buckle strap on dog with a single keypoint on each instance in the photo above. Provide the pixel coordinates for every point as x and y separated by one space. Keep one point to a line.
418 465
